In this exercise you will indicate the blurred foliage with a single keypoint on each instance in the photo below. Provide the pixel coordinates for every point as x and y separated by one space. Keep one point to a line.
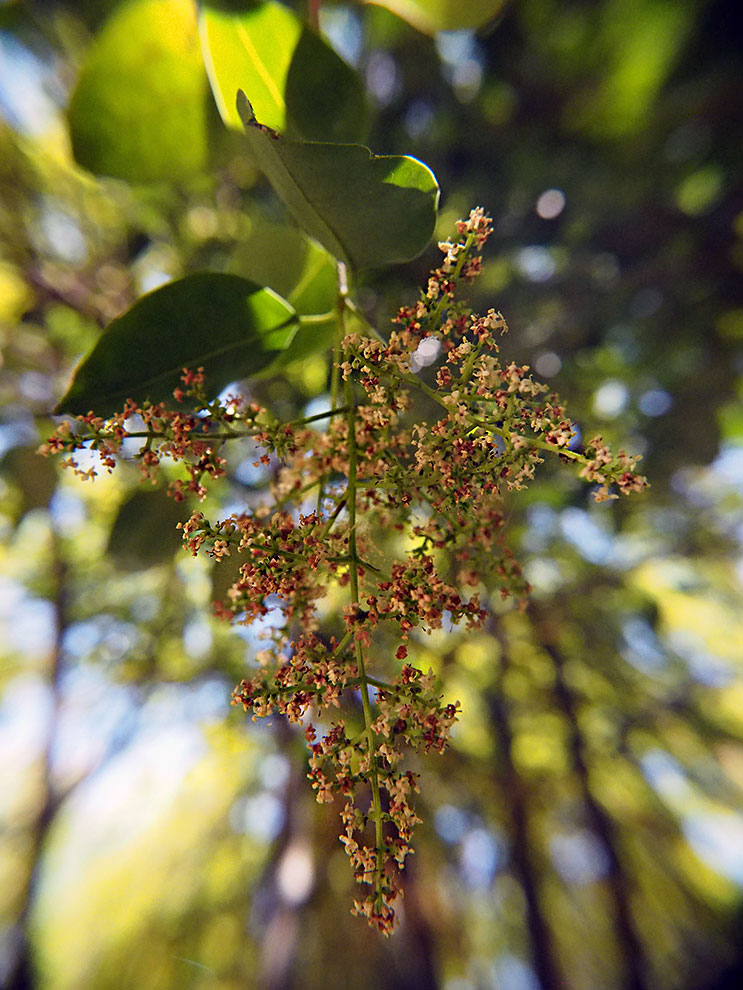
585 827
148 50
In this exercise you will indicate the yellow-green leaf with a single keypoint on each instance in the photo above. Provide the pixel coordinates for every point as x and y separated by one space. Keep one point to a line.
138 111
431 16
297 82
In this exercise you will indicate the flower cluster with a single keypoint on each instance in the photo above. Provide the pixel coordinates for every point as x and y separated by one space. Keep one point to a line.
416 595
192 438
409 711
286 560
339 501
315 674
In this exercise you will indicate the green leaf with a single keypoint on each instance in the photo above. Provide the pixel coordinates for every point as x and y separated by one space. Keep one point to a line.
366 209
298 84
231 327
145 533
299 269
278 254
431 16
34 476
225 572
315 334
138 111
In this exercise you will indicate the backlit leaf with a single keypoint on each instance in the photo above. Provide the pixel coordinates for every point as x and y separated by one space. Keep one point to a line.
299 269
35 478
297 82
138 111
431 16
366 209
145 533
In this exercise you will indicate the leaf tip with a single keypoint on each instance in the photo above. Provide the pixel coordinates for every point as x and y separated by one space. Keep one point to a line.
61 407
247 115
245 109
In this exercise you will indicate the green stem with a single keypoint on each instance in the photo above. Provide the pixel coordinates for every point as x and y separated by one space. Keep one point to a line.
483 424
335 370
375 682
150 435
230 434
445 301
342 645
336 512
469 364
334 411
364 681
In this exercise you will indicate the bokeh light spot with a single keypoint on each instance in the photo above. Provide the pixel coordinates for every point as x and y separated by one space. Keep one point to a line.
551 204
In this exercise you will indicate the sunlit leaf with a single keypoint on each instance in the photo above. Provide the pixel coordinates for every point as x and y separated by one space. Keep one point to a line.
431 16
138 111
297 82
278 254
315 334
229 326
366 209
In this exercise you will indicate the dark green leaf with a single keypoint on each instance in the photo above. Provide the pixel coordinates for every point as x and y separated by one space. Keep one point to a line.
229 326
138 111
35 477
298 84
145 533
366 209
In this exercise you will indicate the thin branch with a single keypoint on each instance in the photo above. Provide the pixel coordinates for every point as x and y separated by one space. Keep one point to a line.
631 946
522 850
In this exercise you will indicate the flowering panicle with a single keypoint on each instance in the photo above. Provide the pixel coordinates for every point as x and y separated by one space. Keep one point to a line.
192 438
337 498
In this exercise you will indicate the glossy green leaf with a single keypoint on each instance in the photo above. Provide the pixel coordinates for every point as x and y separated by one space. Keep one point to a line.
138 111
231 327
298 84
366 209
317 334
431 16
318 322
145 533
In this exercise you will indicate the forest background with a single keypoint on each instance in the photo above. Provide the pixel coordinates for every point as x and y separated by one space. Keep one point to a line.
584 828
